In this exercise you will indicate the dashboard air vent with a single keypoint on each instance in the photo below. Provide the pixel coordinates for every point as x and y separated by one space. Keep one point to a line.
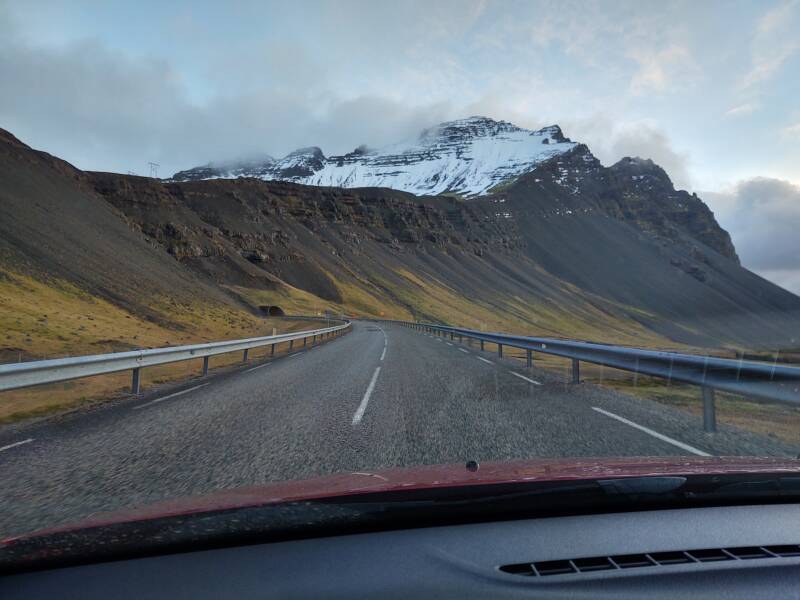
632 561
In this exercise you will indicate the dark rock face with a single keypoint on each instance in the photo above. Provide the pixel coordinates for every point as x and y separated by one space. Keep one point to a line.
636 191
242 231
651 199
247 212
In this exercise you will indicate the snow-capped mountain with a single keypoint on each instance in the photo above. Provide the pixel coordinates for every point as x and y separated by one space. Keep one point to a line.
468 157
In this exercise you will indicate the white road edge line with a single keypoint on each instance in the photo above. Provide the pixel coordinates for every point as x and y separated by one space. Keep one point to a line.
363 406
484 360
448 343
181 393
464 351
655 434
258 367
383 354
29 440
295 354
529 380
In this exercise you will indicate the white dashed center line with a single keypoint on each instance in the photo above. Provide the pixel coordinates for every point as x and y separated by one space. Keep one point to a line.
484 360
15 444
363 406
448 343
525 378
295 354
181 393
464 351
649 431
383 354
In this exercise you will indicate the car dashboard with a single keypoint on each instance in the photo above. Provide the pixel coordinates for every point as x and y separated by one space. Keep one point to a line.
734 551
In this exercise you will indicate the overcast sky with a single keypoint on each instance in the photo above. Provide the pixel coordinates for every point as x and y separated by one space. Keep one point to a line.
711 91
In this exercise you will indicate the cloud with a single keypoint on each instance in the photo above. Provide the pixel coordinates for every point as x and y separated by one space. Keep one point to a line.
775 40
791 131
741 110
612 140
96 106
663 70
763 217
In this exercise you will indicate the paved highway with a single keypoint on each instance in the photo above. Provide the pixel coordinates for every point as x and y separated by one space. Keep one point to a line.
379 397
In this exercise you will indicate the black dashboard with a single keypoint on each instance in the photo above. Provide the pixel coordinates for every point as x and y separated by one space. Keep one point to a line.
735 552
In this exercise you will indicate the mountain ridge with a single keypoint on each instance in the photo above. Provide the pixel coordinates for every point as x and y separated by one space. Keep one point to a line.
466 157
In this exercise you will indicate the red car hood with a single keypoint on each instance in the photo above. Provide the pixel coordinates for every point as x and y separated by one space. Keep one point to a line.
437 476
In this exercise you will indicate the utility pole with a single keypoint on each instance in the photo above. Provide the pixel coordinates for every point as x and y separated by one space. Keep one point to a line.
154 169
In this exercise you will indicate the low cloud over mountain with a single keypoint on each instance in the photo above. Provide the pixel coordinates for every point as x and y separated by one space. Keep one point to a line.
763 215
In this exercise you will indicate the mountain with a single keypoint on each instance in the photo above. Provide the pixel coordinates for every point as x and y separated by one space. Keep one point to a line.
467 157
77 278
568 247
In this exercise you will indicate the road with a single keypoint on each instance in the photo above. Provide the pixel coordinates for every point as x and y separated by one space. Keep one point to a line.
382 396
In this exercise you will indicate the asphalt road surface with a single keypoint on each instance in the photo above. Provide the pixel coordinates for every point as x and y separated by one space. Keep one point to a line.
382 396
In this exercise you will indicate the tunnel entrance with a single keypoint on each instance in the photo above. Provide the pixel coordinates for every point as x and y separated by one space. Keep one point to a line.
272 311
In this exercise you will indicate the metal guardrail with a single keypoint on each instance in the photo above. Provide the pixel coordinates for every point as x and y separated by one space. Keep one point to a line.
749 378
20 375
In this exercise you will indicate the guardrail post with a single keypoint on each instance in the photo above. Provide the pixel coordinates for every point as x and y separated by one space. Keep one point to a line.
135 382
291 344
304 342
244 357
272 350
205 366
529 357
481 345
500 350
576 371
452 337
709 411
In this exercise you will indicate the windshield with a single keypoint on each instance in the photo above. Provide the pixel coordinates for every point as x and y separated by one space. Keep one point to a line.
253 244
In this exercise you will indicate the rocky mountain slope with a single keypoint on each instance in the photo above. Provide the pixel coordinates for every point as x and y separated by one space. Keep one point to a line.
467 157
567 248
75 278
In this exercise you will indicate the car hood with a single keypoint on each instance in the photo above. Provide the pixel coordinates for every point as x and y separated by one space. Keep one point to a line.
432 477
